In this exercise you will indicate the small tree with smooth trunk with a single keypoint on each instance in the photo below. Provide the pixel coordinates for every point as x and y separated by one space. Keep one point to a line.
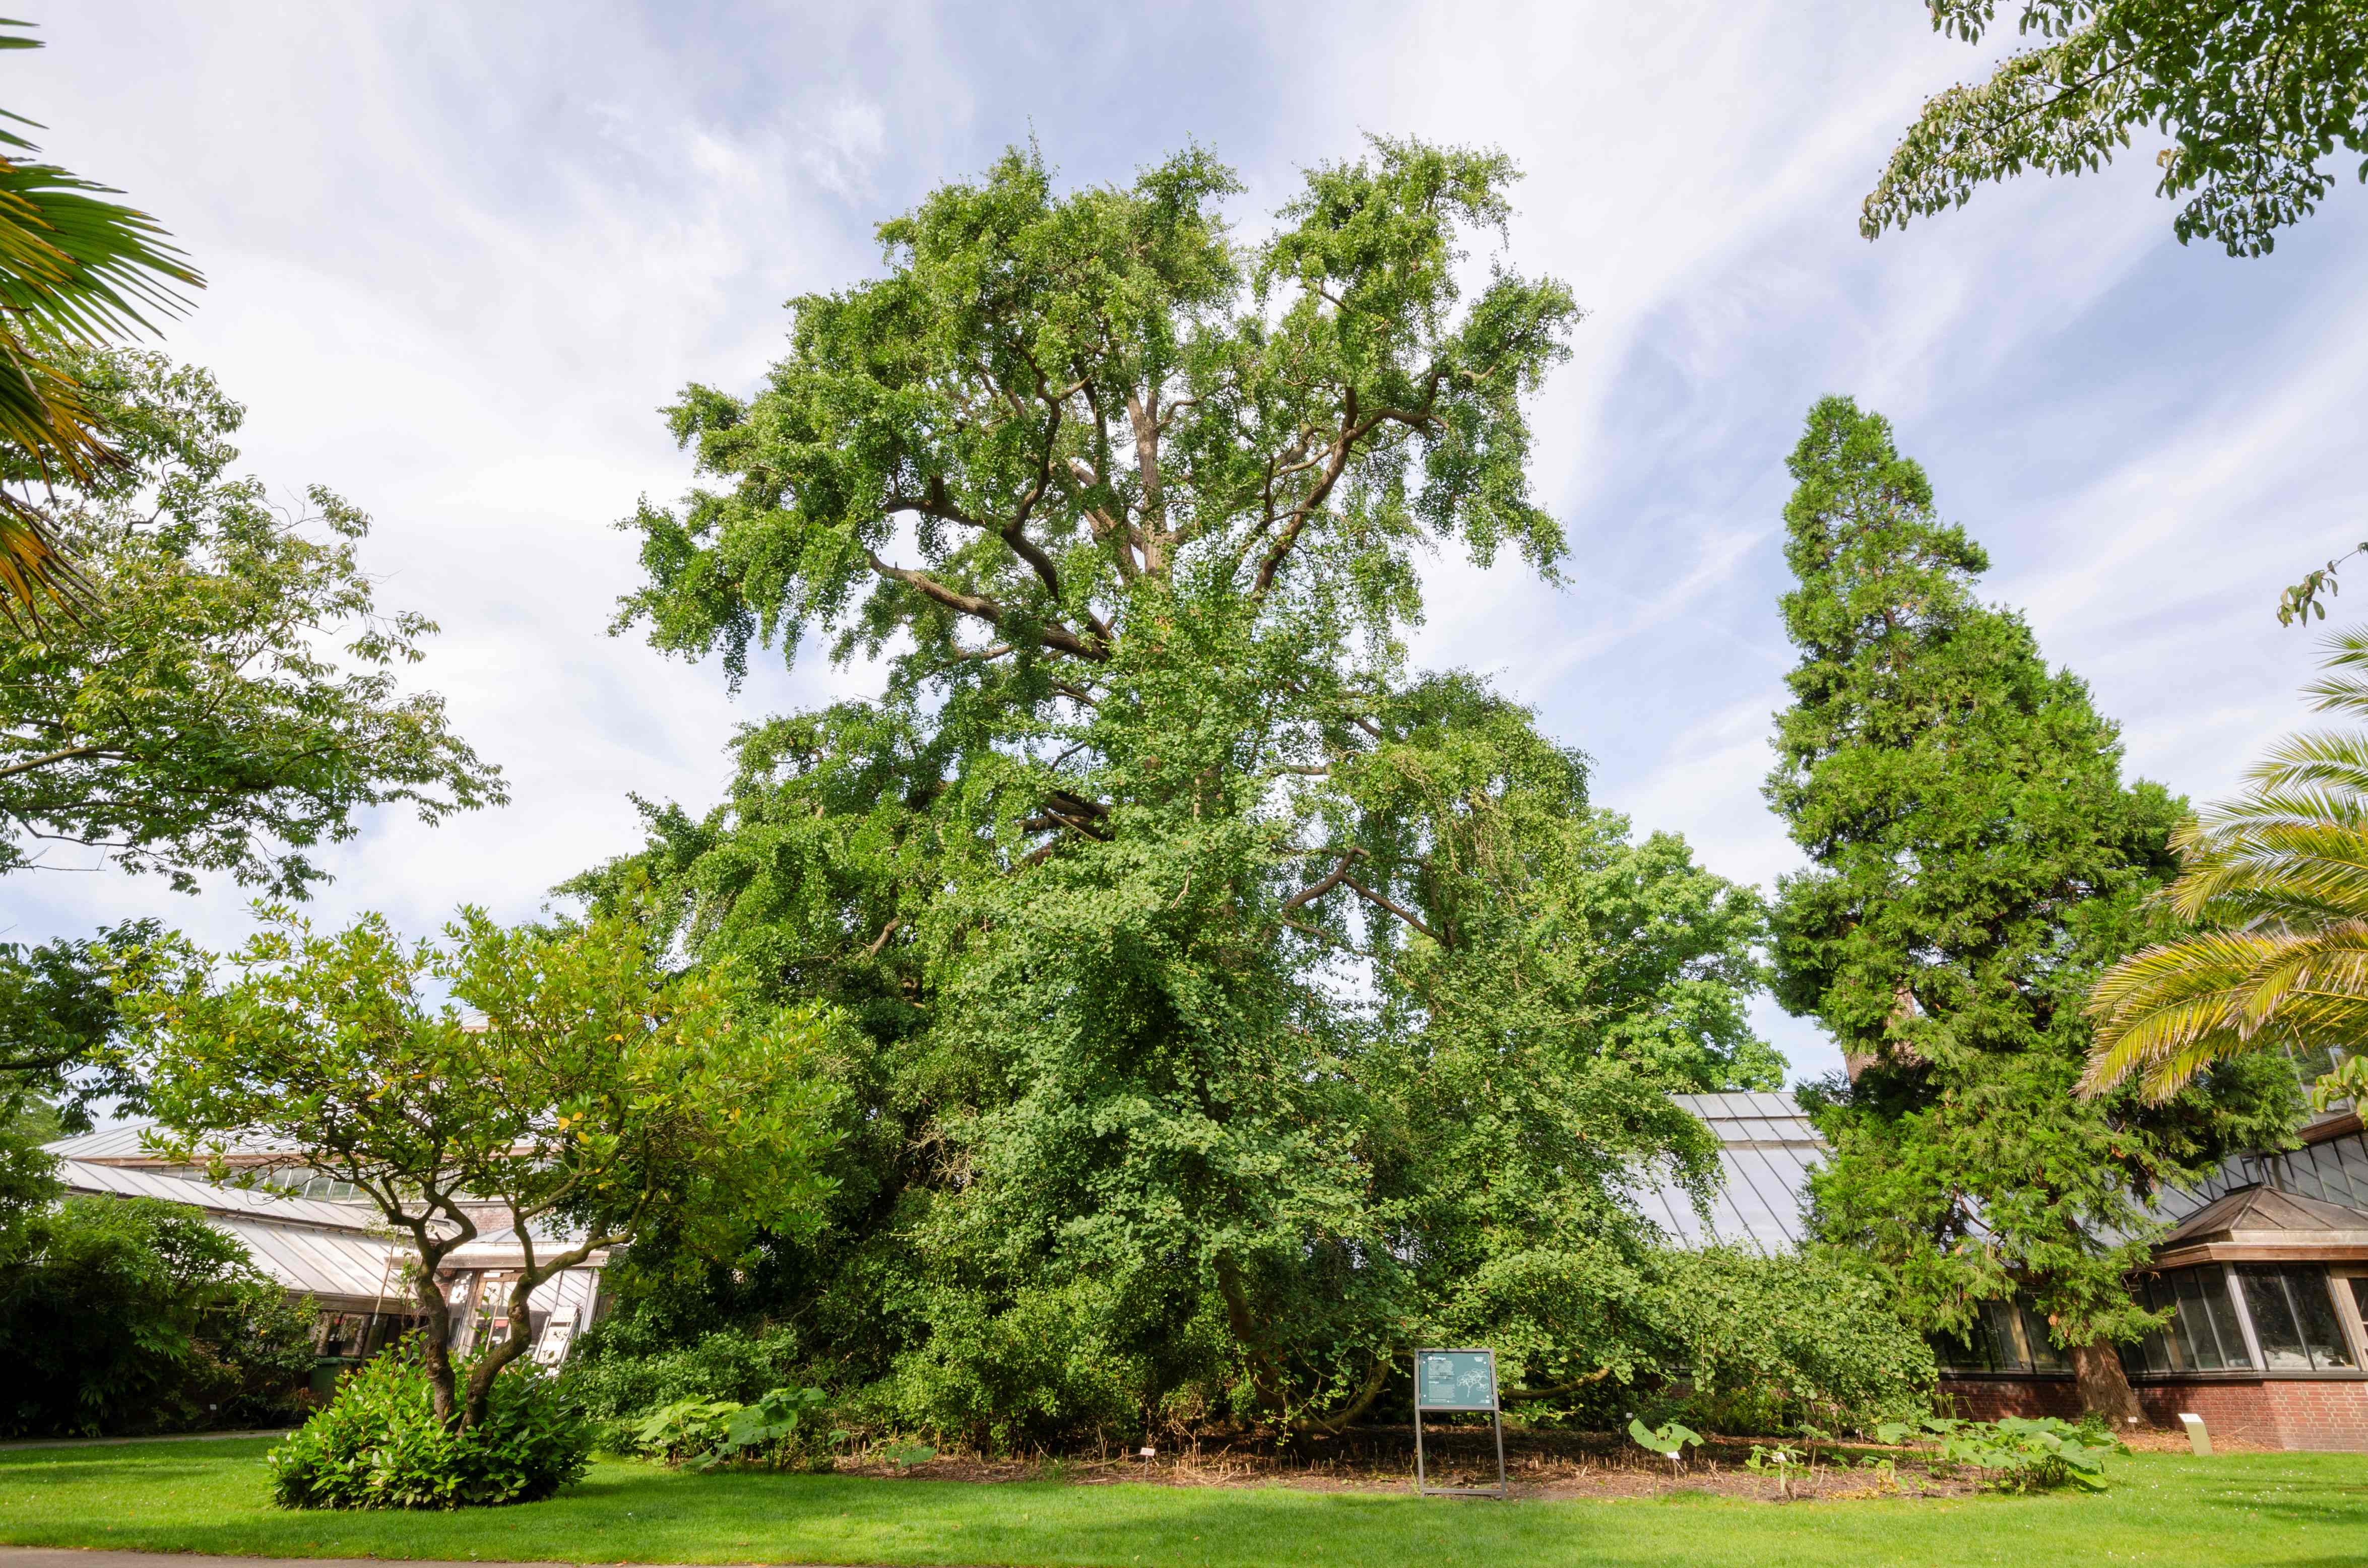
569 1079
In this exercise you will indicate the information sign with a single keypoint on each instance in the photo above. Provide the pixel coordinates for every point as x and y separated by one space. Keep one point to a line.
1456 1380
1449 1380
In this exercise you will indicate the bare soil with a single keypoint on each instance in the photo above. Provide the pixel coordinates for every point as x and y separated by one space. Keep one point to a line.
1537 1464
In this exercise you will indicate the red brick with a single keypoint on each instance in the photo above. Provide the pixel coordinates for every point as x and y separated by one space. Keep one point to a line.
2317 1415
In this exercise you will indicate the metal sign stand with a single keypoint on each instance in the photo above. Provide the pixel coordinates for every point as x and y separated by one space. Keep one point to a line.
1457 1380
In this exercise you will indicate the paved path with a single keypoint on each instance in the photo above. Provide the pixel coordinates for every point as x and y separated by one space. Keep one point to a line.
164 1437
74 1557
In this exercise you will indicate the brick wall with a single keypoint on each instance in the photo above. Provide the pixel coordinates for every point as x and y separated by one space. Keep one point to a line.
1986 1399
2319 1415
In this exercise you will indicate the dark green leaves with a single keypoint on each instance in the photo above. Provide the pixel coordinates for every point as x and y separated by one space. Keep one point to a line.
1977 861
2254 96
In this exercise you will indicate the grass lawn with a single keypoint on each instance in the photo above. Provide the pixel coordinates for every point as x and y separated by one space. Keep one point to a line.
2290 1509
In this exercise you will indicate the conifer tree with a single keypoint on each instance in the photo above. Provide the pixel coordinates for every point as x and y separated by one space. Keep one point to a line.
1976 860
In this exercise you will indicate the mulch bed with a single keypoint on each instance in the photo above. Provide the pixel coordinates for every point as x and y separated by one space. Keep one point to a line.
1537 1464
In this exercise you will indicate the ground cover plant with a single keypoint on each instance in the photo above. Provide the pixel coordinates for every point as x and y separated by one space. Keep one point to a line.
2235 1511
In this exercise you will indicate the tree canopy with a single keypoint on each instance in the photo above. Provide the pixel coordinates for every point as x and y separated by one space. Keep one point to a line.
2256 97
226 699
230 699
1236 1002
1976 860
565 1076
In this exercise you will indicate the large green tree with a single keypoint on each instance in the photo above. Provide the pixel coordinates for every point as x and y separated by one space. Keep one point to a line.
2253 98
1976 861
1238 1005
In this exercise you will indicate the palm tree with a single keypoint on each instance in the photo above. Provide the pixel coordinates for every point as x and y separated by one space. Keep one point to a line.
2277 882
74 267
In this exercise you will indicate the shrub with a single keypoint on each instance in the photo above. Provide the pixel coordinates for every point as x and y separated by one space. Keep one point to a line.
378 1444
129 1315
789 1428
253 1357
2022 1454
1049 1363
1771 1343
612 1376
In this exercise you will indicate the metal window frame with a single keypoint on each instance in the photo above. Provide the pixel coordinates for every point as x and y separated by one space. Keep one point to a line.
2236 1289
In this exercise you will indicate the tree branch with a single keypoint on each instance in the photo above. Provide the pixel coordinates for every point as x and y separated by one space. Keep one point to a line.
1051 634
1318 889
68 754
1401 911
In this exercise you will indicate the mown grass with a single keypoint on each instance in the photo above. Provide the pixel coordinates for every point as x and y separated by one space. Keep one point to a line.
2292 1510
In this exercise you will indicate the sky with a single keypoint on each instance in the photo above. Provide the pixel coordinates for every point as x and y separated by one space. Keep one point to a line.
459 255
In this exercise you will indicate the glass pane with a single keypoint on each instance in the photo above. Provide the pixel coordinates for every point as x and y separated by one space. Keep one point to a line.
2322 1334
1998 1328
2045 1355
2234 1351
2273 1317
2151 1354
2193 1336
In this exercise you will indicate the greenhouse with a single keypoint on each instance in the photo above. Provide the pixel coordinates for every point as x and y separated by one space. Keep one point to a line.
317 1238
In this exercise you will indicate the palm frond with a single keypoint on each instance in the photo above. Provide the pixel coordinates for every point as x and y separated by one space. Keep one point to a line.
2345 653
74 267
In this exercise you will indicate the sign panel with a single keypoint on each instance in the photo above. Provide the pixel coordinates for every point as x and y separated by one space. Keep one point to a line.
1455 1379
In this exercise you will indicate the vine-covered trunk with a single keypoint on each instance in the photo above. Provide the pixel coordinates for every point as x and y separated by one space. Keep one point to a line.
2105 1389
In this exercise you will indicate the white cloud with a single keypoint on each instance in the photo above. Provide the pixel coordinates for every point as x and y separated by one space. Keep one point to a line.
843 144
458 259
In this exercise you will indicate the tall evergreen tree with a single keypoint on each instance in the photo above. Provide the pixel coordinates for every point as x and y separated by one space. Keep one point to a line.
1976 860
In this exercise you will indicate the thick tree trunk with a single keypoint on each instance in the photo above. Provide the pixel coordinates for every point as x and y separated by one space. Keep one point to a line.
2104 1390
513 1344
435 1343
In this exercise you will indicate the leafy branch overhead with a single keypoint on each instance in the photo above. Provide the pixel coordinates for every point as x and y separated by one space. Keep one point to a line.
2252 97
231 700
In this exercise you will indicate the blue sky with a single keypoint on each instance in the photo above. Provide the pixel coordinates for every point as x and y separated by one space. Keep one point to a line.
459 254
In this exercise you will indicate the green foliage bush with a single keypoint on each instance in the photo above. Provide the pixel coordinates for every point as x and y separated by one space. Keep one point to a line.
2019 1453
1049 1360
789 1428
378 1444
620 1369
131 1315
1769 1343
